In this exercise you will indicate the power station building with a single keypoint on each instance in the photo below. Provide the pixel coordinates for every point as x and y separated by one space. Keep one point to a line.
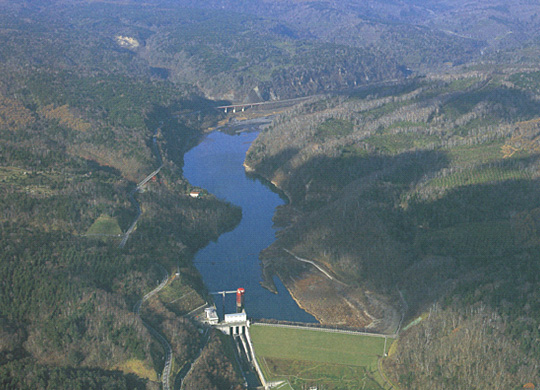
233 323
210 314
235 318
237 326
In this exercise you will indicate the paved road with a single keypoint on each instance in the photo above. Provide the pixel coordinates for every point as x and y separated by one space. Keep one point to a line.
137 189
383 375
165 376
134 223
315 265
137 306
330 330
404 309
137 206
188 368
148 178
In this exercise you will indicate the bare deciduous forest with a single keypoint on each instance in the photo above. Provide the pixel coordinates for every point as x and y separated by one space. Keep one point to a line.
412 175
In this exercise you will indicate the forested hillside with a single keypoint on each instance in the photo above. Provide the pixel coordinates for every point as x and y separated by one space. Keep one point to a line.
67 170
419 192
77 117
225 54
421 35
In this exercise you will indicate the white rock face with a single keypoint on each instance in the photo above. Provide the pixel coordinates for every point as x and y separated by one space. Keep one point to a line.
127 42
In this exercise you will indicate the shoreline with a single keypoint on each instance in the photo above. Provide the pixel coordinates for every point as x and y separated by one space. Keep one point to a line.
252 170
299 303
232 149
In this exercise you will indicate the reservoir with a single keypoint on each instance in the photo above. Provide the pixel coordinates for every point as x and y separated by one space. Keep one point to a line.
216 164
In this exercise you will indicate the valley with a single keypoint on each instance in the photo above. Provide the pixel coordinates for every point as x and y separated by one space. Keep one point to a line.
406 157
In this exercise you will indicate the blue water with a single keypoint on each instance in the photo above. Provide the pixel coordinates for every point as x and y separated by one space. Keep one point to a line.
232 261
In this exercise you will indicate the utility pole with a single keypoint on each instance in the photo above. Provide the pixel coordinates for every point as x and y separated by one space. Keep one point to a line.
223 307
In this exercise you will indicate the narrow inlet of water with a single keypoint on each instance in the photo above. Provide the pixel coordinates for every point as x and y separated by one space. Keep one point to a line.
216 165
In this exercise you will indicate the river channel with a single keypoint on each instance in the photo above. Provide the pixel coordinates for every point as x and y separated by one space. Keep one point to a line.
216 165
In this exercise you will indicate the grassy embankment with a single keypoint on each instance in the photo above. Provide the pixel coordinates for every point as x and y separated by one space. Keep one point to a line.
105 226
309 357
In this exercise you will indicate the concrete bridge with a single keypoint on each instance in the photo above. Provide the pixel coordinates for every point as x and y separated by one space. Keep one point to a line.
238 107
243 106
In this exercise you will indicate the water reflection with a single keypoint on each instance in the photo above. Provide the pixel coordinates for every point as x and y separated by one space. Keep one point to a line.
232 261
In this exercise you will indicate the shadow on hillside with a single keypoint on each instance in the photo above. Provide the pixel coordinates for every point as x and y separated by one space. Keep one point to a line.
329 175
350 215
270 164
353 220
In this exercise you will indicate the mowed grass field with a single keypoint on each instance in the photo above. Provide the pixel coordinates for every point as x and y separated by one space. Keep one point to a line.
105 225
308 357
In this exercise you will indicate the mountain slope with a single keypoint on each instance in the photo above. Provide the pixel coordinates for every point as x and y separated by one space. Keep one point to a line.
416 194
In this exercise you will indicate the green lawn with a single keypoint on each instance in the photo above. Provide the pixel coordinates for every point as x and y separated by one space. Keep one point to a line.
104 225
309 357
316 346
179 297
304 374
